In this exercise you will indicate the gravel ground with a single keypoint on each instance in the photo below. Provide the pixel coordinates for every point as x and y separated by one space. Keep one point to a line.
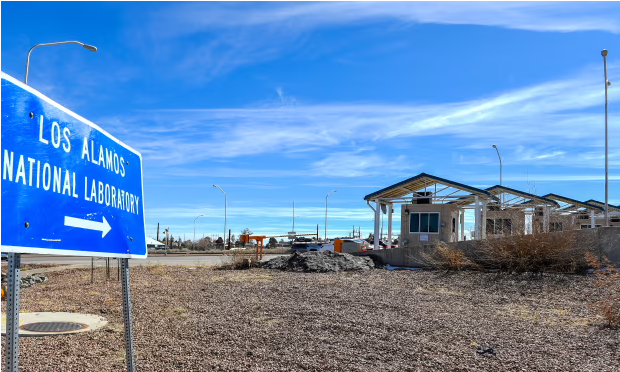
263 320
26 267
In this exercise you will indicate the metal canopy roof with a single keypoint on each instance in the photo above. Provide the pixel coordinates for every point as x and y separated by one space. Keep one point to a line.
420 182
602 205
497 190
574 202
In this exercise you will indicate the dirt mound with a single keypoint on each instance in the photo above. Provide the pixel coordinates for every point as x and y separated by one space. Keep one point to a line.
319 262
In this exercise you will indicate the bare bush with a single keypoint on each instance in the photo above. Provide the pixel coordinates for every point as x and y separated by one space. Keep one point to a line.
608 282
534 253
240 260
444 257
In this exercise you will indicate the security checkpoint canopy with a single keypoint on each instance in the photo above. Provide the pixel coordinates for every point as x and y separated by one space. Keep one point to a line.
530 199
423 182
612 208
572 204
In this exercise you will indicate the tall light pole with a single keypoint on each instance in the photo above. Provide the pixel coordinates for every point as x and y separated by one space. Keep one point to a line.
225 217
194 241
85 46
500 171
11 351
328 194
607 83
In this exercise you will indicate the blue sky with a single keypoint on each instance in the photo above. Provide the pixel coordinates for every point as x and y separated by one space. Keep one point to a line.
283 102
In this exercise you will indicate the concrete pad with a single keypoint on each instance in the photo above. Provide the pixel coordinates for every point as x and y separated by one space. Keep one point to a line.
89 321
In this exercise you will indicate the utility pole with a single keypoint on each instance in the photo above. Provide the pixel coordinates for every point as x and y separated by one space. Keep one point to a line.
225 211
194 242
328 194
157 231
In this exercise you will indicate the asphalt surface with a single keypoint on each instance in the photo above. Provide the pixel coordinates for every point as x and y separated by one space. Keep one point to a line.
172 260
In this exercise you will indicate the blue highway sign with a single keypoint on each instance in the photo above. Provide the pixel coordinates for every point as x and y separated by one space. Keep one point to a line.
68 187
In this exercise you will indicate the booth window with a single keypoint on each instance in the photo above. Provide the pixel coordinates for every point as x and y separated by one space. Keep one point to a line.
424 222
499 226
555 226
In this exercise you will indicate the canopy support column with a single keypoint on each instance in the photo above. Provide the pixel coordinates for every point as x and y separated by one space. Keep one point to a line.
377 222
462 224
477 218
546 219
592 220
484 220
389 211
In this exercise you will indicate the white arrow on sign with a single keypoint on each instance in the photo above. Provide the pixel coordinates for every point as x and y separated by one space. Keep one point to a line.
104 226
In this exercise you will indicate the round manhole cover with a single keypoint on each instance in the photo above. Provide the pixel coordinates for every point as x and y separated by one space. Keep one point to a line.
53 326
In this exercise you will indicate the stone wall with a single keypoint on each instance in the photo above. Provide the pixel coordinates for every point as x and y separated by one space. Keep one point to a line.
604 241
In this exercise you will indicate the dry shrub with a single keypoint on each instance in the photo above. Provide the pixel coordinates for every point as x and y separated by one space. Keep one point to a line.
444 257
608 282
534 253
240 260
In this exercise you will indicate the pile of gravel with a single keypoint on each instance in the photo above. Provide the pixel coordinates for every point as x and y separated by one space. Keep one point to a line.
319 262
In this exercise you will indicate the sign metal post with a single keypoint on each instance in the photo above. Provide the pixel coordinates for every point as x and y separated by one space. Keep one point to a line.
88 184
129 359
11 354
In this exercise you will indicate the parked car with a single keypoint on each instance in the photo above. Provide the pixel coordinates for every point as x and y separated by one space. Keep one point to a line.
5 256
300 247
311 246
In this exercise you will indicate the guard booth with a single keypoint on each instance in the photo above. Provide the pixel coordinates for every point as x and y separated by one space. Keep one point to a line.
514 211
614 213
571 215
427 211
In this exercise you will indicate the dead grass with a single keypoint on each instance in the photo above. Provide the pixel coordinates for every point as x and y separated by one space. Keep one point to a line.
608 283
445 257
533 253
239 260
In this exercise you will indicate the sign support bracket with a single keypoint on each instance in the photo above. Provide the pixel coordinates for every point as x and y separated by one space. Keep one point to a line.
11 354
129 357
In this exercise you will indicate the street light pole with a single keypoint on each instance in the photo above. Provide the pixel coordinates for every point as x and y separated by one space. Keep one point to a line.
225 212
607 83
328 194
11 347
194 241
85 46
500 171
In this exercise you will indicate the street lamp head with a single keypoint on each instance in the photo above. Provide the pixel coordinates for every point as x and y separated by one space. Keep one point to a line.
604 52
92 48
494 146
608 83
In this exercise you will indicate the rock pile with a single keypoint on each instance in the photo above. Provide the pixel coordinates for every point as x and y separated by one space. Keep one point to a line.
27 281
319 262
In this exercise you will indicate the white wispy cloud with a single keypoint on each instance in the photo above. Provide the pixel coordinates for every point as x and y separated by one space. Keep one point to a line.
534 16
234 35
547 123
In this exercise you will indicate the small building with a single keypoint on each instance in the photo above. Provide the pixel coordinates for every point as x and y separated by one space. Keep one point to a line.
154 244
426 212
432 210
614 213
513 213
572 214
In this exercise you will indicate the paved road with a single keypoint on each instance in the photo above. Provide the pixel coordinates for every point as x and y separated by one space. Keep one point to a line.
153 260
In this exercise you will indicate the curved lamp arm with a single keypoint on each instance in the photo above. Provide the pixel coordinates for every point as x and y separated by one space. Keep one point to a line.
85 46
